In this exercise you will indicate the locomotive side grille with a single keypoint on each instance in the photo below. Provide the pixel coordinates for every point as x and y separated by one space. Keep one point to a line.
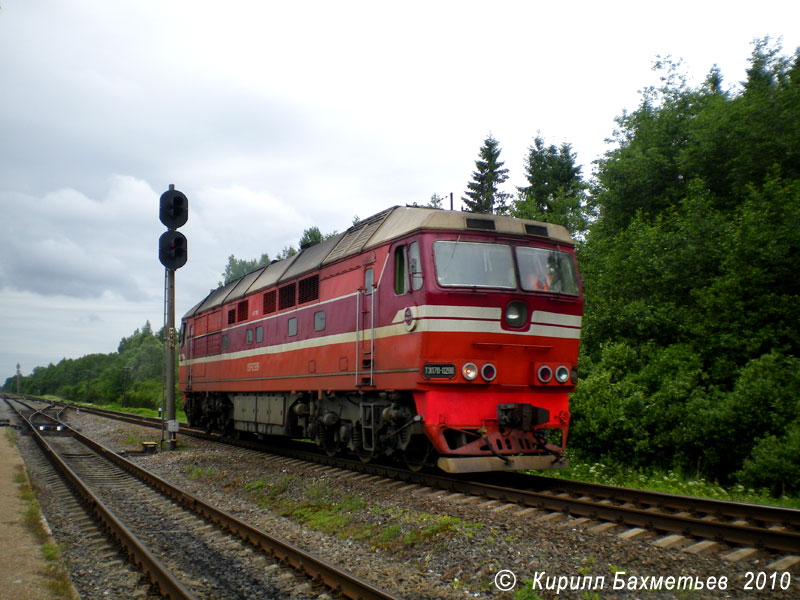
354 239
286 296
241 311
270 303
308 289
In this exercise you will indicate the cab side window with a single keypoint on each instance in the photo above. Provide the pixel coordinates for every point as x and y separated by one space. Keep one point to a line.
415 266
400 270
407 269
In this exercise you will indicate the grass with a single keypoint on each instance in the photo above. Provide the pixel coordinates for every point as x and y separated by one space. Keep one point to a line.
525 592
670 482
195 472
133 439
134 410
56 574
348 516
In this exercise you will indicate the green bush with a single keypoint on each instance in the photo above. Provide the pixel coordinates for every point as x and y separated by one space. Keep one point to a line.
774 464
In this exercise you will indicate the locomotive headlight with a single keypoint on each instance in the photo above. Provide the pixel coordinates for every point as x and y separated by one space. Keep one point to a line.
544 373
562 374
516 314
488 372
469 371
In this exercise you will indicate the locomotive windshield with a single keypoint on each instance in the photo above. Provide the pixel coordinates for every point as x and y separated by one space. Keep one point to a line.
492 265
474 265
545 270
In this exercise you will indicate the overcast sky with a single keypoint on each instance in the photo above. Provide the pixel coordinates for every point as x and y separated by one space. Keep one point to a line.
276 116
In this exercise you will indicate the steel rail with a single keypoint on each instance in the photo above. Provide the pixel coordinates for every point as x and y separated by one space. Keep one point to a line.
674 502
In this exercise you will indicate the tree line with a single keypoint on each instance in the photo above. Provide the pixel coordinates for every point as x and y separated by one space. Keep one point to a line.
689 356
131 376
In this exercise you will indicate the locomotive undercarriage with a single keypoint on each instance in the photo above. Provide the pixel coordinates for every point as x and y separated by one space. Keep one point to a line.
382 424
362 424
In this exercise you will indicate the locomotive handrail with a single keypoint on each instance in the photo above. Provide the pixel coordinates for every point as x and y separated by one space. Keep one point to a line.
372 335
358 323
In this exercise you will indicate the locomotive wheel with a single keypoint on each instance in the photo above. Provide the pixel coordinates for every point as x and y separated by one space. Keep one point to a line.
365 456
417 453
331 447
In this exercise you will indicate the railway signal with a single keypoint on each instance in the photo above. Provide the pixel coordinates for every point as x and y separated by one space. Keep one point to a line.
172 252
172 249
174 209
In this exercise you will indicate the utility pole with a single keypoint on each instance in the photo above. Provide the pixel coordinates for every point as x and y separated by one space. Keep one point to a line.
19 375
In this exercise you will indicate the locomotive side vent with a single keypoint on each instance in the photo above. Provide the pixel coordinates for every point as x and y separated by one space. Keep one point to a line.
483 224
308 289
537 230
270 304
354 238
286 296
241 311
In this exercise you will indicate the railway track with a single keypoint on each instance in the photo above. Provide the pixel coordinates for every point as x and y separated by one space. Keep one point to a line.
706 524
79 530
744 529
150 519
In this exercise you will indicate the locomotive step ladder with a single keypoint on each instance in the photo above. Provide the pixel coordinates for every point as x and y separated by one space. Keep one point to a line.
365 326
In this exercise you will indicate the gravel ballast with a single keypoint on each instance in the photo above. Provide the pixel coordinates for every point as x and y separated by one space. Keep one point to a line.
423 543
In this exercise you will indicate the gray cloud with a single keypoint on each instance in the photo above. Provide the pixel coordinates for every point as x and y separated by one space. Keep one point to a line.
66 243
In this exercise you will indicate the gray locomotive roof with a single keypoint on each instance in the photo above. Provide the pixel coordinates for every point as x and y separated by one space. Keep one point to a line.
215 298
399 221
312 257
272 273
382 227
242 285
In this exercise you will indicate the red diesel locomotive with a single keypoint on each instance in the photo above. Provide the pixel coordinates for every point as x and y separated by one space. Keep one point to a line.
441 337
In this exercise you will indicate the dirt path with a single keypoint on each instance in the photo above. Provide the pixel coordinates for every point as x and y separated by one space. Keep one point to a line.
22 565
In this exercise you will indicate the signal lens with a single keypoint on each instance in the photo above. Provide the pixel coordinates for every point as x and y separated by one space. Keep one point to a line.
469 371
545 373
562 374
488 372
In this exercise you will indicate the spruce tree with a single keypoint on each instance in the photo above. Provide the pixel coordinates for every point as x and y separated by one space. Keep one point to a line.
556 192
484 195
